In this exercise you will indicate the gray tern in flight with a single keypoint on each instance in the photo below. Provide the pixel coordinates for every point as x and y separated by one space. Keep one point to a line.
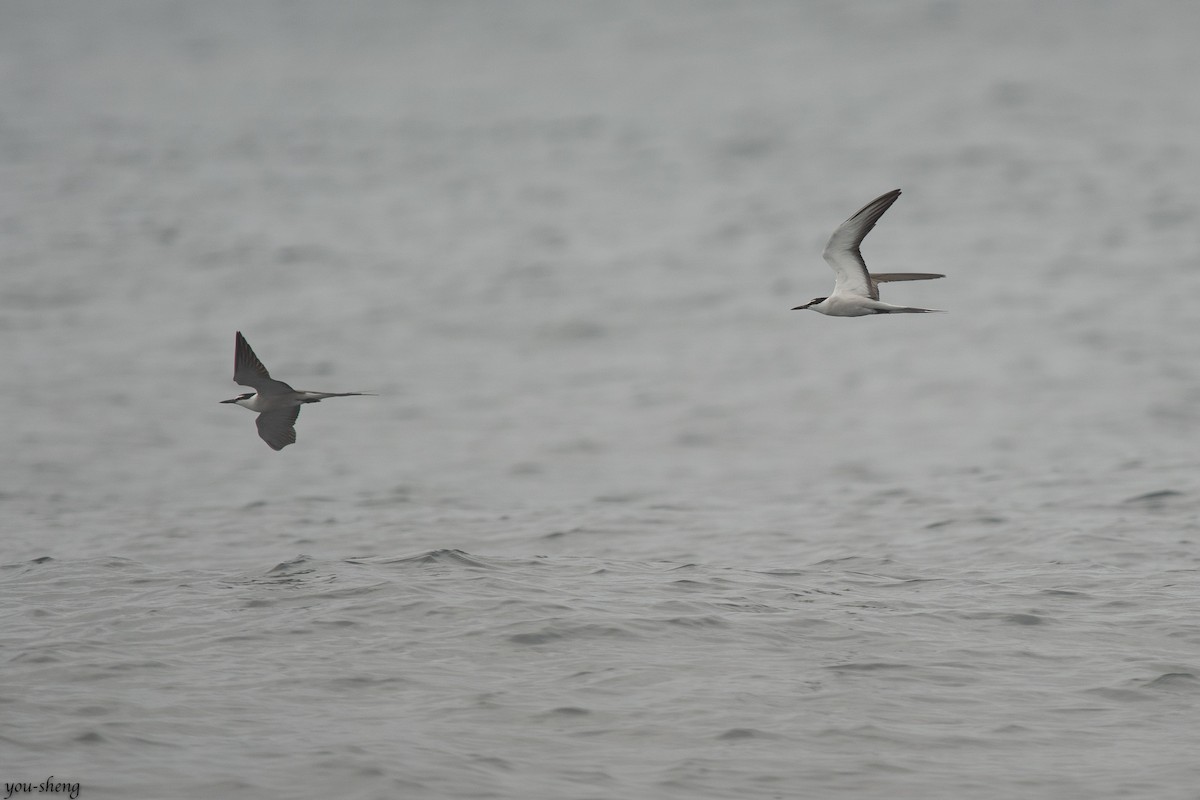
277 404
856 291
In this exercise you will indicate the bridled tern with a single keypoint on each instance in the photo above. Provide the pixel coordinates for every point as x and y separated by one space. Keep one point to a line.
277 404
856 291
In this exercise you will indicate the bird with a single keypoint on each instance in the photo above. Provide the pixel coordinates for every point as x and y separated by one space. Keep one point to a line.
855 290
277 404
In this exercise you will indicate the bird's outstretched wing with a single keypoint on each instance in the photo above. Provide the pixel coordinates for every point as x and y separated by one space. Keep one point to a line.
843 253
889 277
278 428
249 371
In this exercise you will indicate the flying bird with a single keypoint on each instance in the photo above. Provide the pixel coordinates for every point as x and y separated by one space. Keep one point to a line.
855 290
277 404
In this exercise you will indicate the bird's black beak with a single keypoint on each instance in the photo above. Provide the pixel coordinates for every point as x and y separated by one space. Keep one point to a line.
797 308
230 400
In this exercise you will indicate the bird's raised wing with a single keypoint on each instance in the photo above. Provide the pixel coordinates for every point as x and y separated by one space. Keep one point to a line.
249 371
890 277
843 254
278 428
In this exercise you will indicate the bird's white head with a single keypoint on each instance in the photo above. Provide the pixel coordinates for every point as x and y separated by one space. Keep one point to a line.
811 303
241 399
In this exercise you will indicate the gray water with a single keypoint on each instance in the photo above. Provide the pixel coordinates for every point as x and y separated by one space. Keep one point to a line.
619 524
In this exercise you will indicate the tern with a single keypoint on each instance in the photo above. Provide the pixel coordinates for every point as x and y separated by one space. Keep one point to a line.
277 404
855 290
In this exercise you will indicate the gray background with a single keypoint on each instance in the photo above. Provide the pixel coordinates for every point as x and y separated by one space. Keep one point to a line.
619 524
